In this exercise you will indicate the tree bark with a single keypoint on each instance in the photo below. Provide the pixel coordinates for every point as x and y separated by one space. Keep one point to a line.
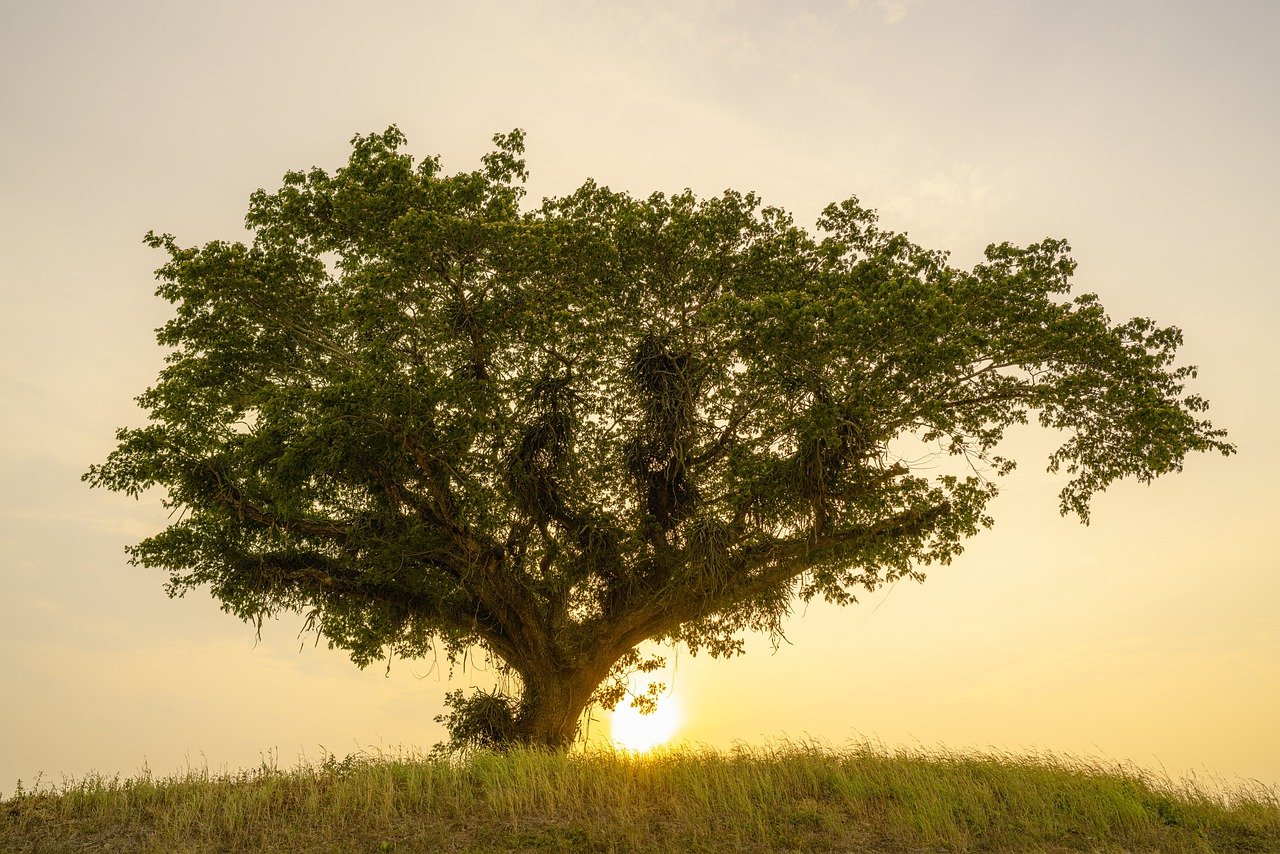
551 706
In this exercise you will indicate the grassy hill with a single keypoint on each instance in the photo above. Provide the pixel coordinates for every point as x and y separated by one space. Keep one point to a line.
790 798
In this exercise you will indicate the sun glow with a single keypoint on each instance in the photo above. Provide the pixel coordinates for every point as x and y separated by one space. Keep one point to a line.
633 731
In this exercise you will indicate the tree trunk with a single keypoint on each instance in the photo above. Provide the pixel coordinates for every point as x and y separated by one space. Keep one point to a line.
550 708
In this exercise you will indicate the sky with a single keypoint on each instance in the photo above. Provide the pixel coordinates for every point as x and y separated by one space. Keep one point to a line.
1143 132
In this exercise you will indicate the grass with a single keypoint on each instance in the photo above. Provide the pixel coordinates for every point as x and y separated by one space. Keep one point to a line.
784 798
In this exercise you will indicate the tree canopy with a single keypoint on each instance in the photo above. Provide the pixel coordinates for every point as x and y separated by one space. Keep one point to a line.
429 417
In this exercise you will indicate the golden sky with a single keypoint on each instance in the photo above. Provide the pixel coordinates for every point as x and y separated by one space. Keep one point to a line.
1143 132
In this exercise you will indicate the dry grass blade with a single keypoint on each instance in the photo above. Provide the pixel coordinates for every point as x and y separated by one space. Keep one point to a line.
789 797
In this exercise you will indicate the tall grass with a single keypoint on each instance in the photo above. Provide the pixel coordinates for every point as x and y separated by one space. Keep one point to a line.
784 798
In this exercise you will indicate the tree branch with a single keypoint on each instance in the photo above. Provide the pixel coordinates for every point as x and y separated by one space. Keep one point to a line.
312 574
775 563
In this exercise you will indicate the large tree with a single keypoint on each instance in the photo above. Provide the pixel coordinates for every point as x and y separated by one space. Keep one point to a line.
428 418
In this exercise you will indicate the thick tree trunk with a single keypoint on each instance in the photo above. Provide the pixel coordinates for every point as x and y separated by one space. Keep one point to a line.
551 707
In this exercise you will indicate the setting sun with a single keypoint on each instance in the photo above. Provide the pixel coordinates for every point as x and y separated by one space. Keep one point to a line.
631 730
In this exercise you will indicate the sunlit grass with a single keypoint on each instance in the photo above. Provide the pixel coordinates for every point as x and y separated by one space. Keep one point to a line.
787 797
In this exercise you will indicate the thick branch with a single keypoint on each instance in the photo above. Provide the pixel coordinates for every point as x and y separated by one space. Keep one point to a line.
475 569
313 573
761 569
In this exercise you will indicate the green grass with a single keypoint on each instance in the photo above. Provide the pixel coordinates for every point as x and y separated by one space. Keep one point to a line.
786 798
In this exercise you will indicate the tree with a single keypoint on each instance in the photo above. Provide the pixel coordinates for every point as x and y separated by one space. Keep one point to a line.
428 419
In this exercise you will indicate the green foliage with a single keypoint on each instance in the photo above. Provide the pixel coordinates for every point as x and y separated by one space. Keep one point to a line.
482 721
428 417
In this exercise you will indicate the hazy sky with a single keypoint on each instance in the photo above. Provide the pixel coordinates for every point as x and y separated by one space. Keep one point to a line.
1144 132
